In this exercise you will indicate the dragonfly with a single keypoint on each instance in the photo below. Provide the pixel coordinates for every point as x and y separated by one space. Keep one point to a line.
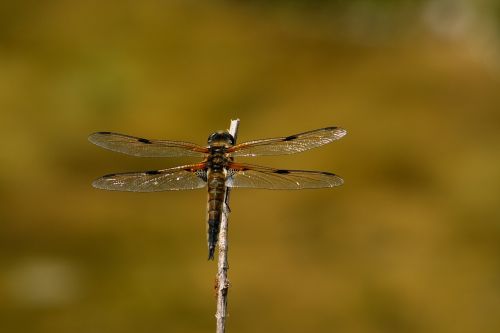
217 170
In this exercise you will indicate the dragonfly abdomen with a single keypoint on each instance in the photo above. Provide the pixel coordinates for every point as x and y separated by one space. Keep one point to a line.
216 191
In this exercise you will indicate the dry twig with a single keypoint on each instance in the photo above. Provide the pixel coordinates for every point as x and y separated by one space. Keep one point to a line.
222 282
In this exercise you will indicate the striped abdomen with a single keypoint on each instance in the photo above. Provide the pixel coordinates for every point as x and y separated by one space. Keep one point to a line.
216 191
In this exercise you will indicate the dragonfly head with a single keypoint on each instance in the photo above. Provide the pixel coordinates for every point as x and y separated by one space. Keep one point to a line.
221 138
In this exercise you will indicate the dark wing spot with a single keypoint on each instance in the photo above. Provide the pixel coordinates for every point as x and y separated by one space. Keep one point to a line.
328 173
143 140
152 172
291 137
282 171
104 133
109 175
331 128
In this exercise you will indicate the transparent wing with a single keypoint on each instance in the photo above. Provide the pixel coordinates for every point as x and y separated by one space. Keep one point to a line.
186 177
254 176
288 145
141 147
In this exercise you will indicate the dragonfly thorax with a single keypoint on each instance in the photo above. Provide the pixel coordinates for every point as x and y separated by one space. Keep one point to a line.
218 159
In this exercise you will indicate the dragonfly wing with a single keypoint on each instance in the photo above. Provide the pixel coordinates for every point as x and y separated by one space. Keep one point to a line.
288 145
253 176
141 147
186 177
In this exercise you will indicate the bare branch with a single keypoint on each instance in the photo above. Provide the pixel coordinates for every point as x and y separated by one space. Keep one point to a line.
222 282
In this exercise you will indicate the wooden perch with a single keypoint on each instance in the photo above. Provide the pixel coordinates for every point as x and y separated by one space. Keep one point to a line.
222 282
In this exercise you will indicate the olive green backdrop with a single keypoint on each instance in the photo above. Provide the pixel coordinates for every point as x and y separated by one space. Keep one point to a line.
410 243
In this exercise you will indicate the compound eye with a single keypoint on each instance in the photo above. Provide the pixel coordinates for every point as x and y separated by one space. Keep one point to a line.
213 137
230 138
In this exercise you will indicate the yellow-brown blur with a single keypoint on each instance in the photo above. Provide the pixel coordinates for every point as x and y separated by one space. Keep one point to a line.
410 243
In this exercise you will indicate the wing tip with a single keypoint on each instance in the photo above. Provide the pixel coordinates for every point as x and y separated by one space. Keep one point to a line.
98 183
337 132
338 181
95 136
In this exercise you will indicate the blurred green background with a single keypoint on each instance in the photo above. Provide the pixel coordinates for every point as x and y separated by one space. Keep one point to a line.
410 243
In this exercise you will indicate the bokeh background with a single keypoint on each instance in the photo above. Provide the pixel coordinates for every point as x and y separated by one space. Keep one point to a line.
410 243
